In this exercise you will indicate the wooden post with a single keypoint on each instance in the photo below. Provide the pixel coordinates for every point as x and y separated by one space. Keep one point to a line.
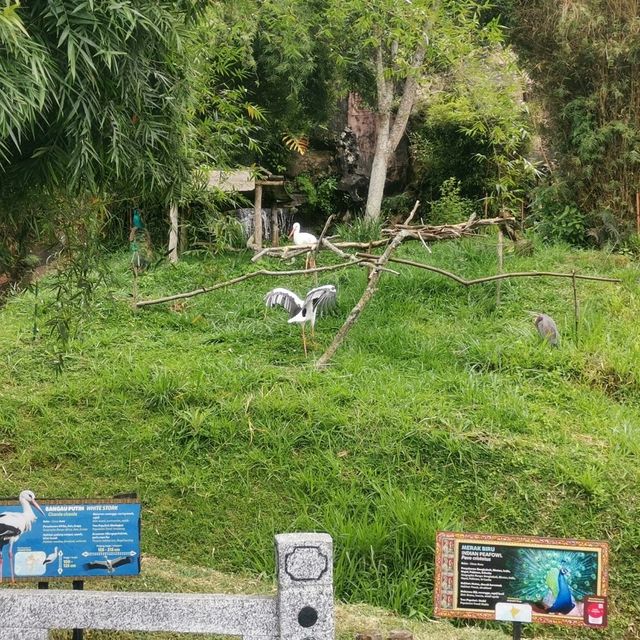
576 309
275 231
78 585
173 233
500 263
135 286
257 218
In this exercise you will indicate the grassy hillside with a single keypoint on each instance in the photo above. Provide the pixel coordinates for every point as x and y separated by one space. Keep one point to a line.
439 412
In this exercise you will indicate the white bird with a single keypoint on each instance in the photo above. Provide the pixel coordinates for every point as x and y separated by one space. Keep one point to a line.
14 523
52 557
108 565
302 311
300 238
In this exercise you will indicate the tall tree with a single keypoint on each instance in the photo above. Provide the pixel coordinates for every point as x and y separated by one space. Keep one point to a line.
395 44
585 60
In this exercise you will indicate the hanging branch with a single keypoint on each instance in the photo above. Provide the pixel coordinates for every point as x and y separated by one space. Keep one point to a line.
374 277
248 276
500 276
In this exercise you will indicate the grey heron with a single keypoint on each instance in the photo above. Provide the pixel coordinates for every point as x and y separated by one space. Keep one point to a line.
547 329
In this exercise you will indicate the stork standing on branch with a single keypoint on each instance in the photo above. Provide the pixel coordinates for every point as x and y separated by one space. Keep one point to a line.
300 238
303 311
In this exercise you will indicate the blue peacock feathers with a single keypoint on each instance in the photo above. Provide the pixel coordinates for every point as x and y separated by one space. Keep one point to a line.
137 220
554 580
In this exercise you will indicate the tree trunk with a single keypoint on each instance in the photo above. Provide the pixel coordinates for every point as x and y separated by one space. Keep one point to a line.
173 233
390 130
378 169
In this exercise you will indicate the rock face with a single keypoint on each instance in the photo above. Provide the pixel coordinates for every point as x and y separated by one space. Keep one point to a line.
354 131
356 148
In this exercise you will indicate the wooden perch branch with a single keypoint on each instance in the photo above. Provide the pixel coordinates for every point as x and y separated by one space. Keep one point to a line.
374 277
247 276
500 276
422 232
291 251
447 231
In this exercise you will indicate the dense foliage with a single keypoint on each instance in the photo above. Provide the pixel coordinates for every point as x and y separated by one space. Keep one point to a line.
584 57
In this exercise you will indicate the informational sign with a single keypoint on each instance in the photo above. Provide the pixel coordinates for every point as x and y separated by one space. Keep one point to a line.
595 611
513 612
476 572
62 539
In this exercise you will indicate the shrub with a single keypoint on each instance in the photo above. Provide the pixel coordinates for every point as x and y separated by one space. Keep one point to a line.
452 207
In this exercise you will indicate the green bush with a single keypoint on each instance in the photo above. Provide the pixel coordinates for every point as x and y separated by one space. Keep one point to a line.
360 230
321 194
556 218
451 207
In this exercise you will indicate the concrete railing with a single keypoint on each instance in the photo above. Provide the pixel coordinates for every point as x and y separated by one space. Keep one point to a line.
301 610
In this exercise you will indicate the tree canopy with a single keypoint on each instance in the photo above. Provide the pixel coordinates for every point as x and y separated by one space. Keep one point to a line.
96 92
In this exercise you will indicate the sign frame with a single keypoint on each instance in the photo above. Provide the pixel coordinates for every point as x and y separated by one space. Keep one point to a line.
447 571
78 575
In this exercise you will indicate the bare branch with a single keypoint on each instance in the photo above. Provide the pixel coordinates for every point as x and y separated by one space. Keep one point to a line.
314 251
247 276
500 276
372 286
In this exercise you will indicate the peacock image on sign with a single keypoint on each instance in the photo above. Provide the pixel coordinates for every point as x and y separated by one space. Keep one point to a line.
554 582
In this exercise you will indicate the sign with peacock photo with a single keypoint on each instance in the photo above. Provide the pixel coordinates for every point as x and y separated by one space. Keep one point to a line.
475 572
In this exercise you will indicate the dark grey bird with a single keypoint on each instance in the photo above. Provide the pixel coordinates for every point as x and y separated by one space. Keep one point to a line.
547 329
302 311
108 565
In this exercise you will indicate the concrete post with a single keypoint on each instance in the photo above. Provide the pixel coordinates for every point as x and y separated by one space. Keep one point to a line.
305 586
302 610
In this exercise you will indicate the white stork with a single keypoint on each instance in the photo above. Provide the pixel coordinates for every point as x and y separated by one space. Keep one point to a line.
14 523
108 565
300 238
52 557
302 311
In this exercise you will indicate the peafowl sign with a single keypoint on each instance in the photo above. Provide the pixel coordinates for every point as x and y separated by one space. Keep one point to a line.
557 577
61 539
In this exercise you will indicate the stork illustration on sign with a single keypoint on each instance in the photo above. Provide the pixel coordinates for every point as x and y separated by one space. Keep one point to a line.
14 523
108 565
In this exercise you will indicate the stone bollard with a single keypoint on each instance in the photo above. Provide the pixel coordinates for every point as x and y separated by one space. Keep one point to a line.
305 586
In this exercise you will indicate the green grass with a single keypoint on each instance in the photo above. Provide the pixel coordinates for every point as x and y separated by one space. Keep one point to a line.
438 412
